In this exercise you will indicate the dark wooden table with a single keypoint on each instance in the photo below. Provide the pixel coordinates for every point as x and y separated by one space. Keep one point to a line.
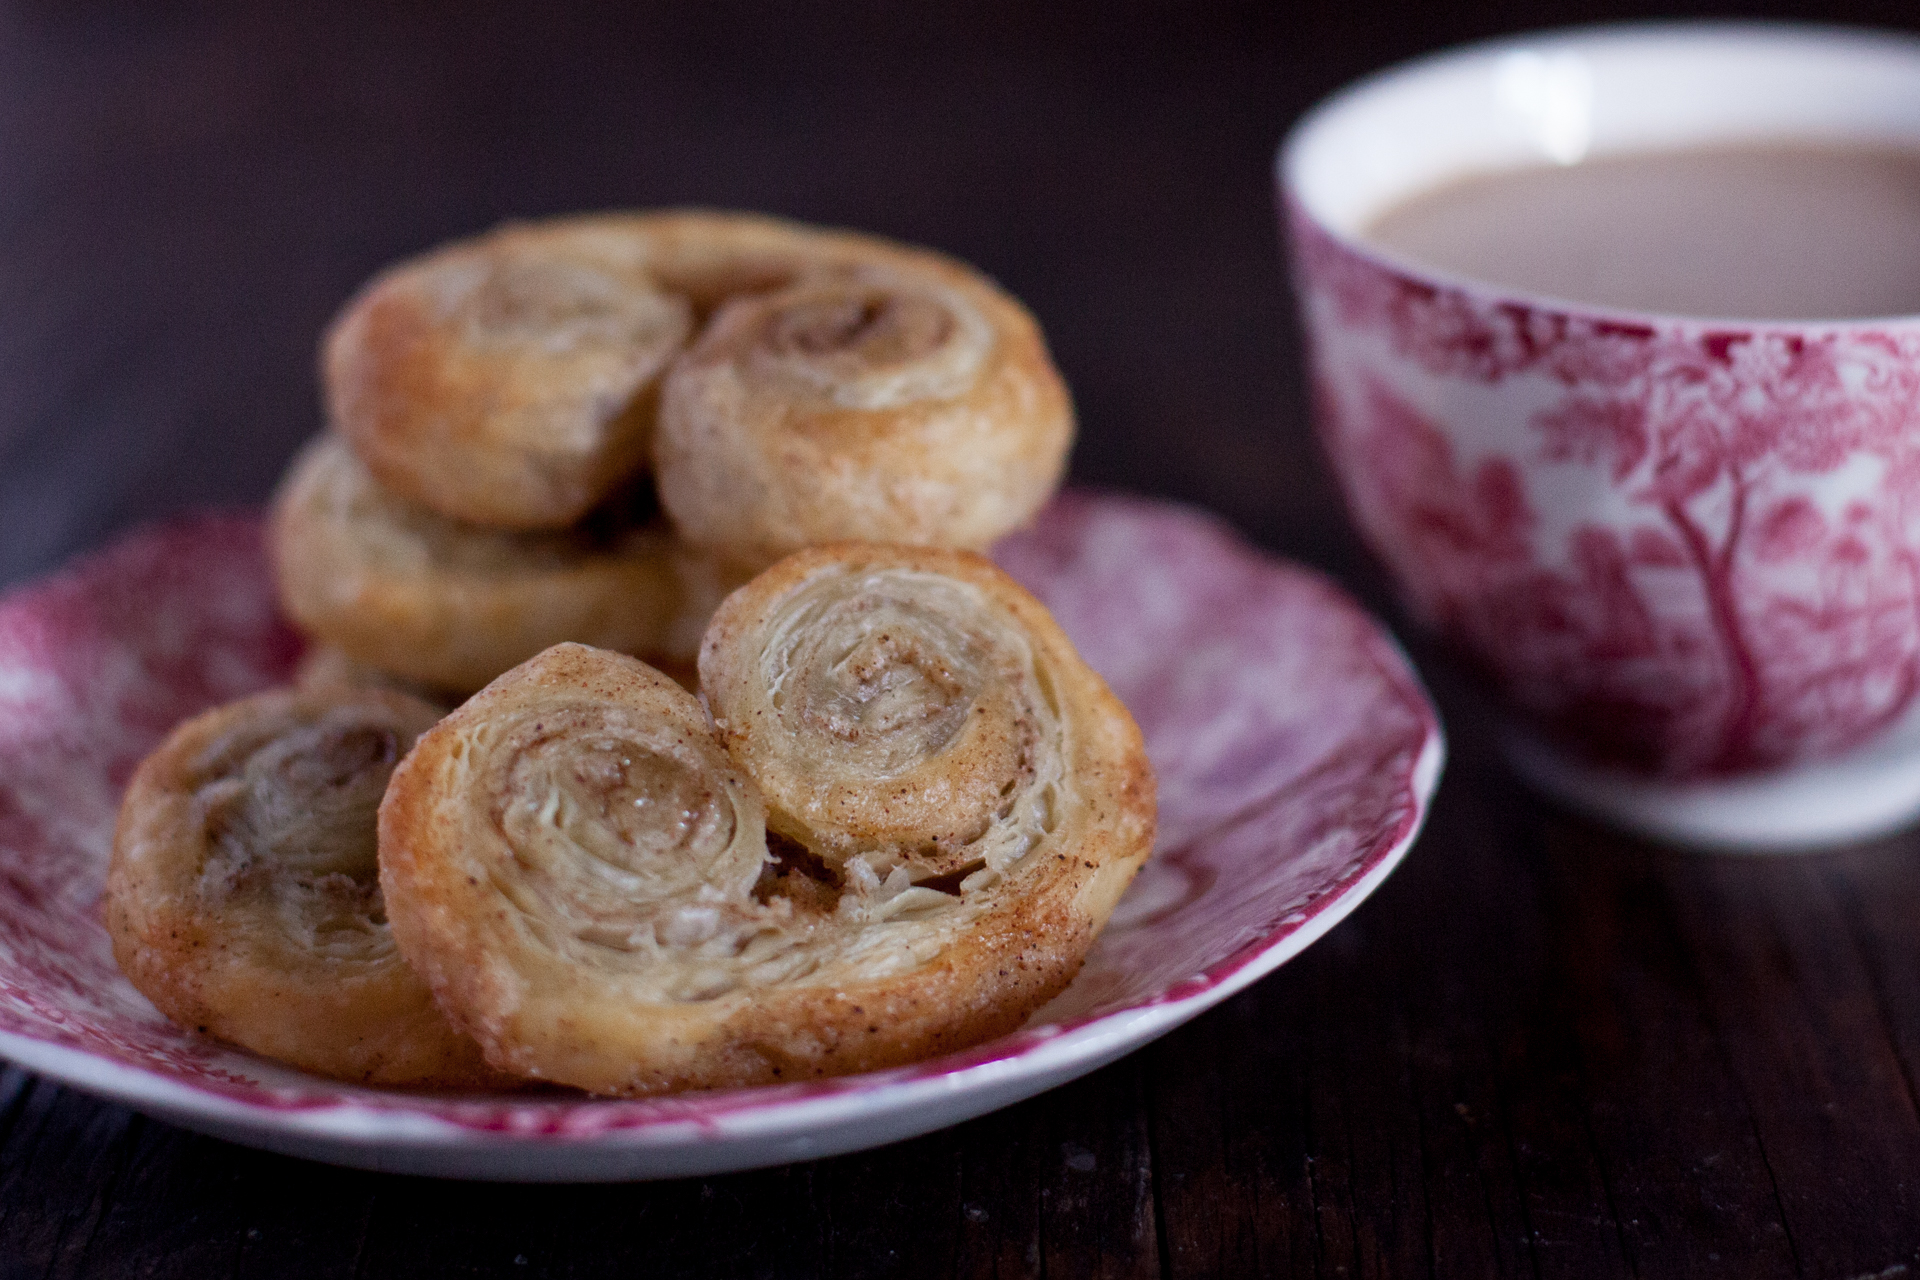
1541 1049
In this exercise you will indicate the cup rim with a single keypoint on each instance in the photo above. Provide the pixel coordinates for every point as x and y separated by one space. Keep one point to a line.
1288 160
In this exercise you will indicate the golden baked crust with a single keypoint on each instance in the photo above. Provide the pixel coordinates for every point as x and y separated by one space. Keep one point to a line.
848 386
509 379
916 708
555 854
243 898
888 394
450 606
582 871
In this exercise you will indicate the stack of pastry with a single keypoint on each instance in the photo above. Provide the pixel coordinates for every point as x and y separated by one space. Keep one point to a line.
591 429
890 824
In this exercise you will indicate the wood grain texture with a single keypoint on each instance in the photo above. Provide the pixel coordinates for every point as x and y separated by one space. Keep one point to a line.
1541 1050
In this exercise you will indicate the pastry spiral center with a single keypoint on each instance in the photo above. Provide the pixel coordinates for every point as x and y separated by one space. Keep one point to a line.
291 832
868 345
869 330
629 807
624 839
907 719
895 695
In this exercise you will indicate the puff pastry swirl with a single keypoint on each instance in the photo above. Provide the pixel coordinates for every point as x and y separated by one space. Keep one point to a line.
891 396
509 379
579 860
243 897
449 606
845 385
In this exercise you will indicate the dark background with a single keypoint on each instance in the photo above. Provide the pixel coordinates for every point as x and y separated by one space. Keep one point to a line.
1542 1049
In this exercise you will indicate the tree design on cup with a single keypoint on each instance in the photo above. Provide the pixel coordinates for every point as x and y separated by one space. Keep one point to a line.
1739 586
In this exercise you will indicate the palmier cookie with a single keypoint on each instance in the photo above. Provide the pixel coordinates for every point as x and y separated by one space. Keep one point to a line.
450 606
891 395
507 380
243 896
581 868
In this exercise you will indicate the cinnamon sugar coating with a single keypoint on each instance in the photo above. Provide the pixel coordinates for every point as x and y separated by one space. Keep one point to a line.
605 887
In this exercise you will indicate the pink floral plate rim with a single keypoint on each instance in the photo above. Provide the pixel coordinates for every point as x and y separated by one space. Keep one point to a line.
1119 571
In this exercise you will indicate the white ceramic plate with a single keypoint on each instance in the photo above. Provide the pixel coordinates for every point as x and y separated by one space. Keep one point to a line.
1295 752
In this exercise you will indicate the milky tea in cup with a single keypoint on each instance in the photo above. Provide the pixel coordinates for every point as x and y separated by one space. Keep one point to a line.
1615 344
1753 230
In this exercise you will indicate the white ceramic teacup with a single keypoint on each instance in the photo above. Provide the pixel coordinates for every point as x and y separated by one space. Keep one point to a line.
1685 551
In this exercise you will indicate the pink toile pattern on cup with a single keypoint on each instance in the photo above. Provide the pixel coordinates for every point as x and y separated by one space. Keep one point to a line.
1686 551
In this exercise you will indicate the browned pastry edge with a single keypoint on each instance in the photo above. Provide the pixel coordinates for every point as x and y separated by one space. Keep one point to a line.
449 606
365 1021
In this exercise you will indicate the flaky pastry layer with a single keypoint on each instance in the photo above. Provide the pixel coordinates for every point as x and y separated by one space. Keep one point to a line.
450 606
579 860
243 897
